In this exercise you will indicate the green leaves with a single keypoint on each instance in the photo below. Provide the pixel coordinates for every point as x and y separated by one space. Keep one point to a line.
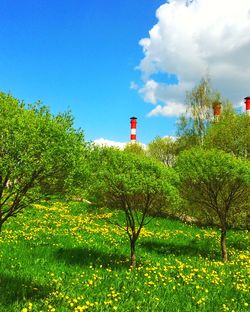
214 182
163 149
216 186
123 178
206 165
135 184
39 154
231 134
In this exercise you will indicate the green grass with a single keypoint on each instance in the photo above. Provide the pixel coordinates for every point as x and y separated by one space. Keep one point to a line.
69 257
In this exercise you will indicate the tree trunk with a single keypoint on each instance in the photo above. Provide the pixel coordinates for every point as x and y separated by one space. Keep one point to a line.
132 252
223 244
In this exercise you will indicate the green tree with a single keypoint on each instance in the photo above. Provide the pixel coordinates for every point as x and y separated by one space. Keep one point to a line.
39 154
163 150
186 137
215 183
135 148
231 134
138 186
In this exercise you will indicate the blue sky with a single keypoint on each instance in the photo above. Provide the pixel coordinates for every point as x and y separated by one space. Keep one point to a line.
80 55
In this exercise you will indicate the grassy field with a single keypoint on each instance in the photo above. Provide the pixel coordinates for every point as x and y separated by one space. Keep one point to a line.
69 257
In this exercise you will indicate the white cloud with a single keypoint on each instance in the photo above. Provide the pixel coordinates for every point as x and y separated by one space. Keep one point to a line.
105 142
205 36
169 109
121 145
149 91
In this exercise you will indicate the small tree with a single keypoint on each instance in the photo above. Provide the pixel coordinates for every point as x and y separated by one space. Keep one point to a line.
136 185
163 150
39 154
231 134
135 148
215 183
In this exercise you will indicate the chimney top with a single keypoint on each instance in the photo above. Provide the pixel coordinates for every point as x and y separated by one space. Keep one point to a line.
133 118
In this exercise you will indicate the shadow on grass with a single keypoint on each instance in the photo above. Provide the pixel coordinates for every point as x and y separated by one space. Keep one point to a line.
17 289
86 257
239 245
191 249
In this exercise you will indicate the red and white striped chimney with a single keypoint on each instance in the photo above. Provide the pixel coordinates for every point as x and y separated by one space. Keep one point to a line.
217 110
133 122
247 102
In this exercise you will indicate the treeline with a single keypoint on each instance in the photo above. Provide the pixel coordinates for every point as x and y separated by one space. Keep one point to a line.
203 174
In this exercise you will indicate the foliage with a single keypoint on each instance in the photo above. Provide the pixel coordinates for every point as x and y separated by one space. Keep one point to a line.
231 134
67 257
215 183
136 185
135 148
39 154
163 150
199 103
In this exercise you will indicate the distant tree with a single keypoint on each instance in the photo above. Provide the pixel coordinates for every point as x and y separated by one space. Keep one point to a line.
162 149
135 148
137 186
215 183
186 136
192 127
231 134
39 154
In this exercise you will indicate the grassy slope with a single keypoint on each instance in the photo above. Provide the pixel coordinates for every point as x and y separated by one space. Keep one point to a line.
59 257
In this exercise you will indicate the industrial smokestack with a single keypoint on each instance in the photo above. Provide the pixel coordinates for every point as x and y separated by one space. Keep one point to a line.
217 110
247 102
133 122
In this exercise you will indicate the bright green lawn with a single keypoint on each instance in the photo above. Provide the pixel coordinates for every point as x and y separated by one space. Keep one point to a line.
60 257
